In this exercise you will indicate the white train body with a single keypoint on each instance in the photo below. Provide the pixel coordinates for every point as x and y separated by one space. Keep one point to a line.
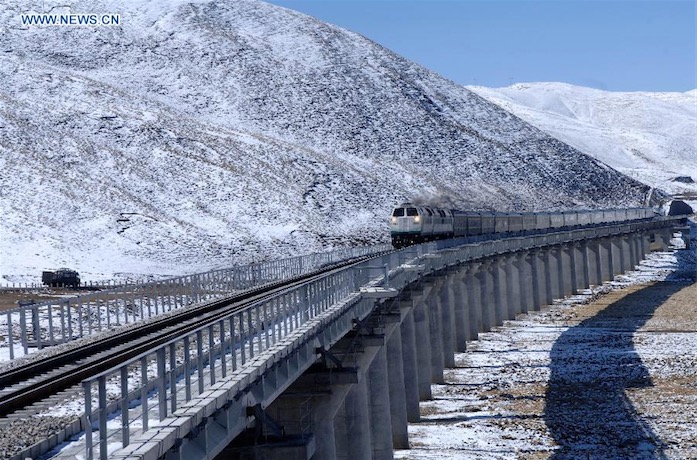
410 223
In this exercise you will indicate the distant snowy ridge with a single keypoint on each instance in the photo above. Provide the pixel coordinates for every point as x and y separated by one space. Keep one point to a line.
651 137
203 134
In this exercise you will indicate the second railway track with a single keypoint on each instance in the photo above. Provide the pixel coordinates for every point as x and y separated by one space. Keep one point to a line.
25 385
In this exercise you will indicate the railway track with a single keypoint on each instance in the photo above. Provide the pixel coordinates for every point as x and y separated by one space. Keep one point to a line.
25 386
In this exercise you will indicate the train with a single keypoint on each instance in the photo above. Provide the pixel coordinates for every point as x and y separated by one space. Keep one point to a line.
412 223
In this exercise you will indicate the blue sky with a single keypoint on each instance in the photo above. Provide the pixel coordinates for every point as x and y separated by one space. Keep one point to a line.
616 45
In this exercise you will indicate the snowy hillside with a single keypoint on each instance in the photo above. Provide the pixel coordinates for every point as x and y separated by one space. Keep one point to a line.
202 134
651 137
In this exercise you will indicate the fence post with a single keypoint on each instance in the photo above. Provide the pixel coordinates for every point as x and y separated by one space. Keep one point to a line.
87 388
9 335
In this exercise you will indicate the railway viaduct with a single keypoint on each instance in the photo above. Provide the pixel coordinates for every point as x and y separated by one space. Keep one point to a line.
335 368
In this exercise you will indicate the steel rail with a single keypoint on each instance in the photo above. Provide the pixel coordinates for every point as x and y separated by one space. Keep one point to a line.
135 341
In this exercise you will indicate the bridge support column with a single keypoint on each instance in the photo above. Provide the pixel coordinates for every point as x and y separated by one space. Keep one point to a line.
666 235
474 299
447 309
550 278
624 253
397 390
595 259
646 243
513 297
435 330
499 277
566 270
525 281
553 268
379 397
537 279
423 349
486 289
631 251
352 424
639 241
410 365
616 256
636 245
462 327
521 264
606 266
582 261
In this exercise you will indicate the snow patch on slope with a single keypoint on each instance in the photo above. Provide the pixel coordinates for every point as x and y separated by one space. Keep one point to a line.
651 137
208 133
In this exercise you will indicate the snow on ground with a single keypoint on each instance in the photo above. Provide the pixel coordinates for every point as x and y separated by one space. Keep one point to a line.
606 374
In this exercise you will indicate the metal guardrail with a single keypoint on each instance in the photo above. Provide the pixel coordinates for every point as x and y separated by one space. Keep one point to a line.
165 379
188 365
44 324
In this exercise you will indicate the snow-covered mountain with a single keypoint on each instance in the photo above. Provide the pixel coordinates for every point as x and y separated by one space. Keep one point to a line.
206 133
651 137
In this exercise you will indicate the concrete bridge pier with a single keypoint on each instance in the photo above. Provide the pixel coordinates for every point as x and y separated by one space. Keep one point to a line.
410 366
379 401
662 237
523 266
646 243
446 301
486 290
566 270
435 331
595 263
631 251
422 338
641 241
462 309
550 276
606 260
513 297
537 269
623 246
581 266
636 248
499 278
616 256
556 273
352 425
397 390
472 284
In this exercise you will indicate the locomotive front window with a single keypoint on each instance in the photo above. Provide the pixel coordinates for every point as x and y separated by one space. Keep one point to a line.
412 212
399 212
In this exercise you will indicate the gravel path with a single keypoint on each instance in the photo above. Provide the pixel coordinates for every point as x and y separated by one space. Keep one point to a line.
597 377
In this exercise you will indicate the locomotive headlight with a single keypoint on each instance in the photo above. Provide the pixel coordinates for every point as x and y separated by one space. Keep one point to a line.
393 220
417 219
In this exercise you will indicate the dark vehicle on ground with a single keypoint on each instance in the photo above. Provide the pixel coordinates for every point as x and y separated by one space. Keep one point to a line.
63 277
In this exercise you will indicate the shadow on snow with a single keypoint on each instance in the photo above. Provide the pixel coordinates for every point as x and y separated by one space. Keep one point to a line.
587 410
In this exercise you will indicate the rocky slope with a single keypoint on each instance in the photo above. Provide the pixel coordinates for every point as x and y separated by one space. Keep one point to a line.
206 133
